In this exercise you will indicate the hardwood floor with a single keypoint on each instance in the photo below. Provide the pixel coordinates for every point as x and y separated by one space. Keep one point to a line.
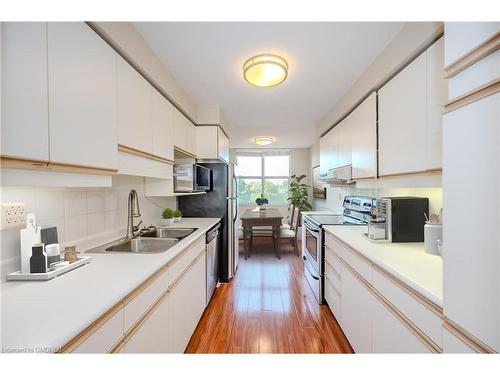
267 308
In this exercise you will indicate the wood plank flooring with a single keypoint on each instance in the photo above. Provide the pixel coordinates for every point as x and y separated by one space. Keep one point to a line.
267 308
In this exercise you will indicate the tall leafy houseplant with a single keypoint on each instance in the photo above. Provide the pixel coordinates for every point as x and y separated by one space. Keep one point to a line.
299 193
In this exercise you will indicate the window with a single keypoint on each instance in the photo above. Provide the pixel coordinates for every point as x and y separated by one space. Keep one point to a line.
266 174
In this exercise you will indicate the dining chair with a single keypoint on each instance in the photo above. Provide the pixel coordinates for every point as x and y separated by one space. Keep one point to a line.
291 233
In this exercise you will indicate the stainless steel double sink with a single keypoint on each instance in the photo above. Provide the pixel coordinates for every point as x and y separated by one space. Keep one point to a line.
154 241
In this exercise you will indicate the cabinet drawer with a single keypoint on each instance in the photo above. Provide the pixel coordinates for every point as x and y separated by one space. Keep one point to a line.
333 244
357 263
332 272
422 316
333 298
391 335
139 303
453 345
184 259
101 340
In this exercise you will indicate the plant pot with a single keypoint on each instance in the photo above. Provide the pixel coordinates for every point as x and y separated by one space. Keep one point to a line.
166 222
177 219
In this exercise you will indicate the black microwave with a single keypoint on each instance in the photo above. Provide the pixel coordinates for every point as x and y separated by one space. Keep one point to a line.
192 177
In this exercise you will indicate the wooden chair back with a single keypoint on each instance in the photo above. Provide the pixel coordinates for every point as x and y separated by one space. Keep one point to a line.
295 220
289 217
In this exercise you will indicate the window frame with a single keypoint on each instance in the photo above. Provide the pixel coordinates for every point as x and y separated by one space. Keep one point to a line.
263 176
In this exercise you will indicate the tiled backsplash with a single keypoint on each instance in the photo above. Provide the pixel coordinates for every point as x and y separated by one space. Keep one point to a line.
335 196
81 215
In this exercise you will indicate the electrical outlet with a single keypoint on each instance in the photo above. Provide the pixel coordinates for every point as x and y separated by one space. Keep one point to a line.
13 216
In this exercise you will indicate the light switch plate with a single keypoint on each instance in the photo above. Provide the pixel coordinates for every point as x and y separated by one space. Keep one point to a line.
13 216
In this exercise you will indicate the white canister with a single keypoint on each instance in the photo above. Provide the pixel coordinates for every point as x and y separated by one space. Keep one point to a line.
433 232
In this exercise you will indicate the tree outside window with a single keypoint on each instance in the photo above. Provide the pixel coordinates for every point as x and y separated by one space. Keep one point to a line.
263 174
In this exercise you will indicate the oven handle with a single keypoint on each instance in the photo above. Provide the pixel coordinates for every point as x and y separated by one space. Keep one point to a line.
308 269
312 229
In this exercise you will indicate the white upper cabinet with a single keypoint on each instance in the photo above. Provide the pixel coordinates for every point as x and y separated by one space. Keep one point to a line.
364 139
82 96
180 130
402 120
223 145
437 95
463 37
410 116
135 128
211 143
191 137
162 117
25 132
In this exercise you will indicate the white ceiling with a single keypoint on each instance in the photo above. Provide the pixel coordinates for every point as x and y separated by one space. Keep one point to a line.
324 60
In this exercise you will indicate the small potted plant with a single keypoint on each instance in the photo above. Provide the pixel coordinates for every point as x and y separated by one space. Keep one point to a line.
167 217
177 216
261 202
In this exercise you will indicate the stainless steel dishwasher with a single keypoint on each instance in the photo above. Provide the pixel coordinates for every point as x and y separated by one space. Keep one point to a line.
212 260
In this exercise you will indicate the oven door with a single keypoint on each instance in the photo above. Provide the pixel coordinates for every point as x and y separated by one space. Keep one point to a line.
313 259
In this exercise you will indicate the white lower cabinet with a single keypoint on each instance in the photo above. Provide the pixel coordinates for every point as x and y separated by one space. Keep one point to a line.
376 314
104 337
391 335
154 335
453 345
161 317
187 303
357 306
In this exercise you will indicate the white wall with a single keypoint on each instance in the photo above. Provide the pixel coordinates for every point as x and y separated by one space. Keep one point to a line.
125 38
412 38
83 216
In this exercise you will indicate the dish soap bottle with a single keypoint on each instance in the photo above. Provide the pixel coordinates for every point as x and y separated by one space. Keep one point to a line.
38 260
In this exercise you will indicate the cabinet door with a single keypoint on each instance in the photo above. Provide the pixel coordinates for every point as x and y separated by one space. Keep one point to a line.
163 125
357 306
324 155
180 131
82 96
207 139
437 94
402 120
463 37
135 128
390 335
471 243
223 145
187 302
153 335
191 137
364 139
25 131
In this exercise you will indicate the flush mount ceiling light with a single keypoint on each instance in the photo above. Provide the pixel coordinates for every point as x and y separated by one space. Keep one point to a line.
265 70
263 141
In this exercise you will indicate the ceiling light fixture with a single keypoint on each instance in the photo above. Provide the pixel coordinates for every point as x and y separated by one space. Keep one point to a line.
265 70
263 141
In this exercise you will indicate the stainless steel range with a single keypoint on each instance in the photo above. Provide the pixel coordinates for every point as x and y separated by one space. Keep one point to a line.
356 212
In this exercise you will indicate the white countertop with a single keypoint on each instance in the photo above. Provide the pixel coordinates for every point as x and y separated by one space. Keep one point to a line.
406 261
38 314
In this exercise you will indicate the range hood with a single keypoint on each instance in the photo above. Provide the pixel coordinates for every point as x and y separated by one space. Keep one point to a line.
339 176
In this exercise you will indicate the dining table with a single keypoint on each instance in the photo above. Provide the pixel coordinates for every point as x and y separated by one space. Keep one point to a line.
261 217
